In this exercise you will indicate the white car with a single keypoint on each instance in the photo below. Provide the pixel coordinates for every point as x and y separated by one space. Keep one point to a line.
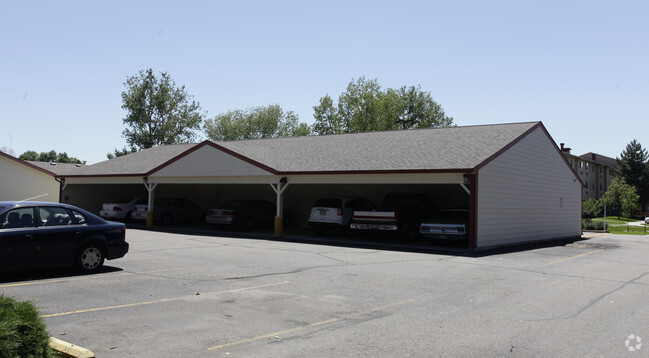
120 209
335 212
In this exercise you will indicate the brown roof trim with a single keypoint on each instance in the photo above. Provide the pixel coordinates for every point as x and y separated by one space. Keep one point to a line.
574 172
515 141
508 146
100 175
387 171
20 161
216 146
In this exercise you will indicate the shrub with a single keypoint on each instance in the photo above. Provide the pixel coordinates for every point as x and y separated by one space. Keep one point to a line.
594 225
22 330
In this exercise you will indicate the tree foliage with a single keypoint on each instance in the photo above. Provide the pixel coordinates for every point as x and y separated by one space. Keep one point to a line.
51 156
590 209
365 107
634 168
255 123
622 196
158 112
120 152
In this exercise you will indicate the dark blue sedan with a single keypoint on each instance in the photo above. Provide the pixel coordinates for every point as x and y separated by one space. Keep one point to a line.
41 234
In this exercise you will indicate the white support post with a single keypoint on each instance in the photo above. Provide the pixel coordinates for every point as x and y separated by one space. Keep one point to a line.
279 220
150 187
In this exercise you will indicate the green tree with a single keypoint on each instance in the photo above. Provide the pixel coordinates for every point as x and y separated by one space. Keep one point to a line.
51 156
327 119
590 209
634 168
622 196
365 107
120 152
158 112
255 123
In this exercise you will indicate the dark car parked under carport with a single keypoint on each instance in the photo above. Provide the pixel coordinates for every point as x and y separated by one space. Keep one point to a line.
42 234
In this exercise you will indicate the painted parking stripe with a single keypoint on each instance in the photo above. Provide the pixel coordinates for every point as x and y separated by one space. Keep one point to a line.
575 257
307 326
87 278
164 300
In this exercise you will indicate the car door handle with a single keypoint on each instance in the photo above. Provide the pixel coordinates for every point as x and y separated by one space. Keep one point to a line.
29 236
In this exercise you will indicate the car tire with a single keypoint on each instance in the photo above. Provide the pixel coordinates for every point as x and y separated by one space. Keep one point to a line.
90 258
127 217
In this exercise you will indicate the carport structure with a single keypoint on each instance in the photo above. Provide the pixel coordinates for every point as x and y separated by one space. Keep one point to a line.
513 177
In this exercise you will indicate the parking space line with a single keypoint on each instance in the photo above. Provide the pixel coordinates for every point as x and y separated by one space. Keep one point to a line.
310 325
163 300
574 257
86 278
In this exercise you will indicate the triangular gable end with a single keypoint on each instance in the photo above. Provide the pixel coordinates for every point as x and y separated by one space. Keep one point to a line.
210 160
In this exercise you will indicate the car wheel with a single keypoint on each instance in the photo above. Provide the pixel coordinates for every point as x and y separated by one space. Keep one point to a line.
89 259
127 217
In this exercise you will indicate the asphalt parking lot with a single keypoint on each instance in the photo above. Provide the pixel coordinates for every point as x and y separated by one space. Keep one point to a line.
178 295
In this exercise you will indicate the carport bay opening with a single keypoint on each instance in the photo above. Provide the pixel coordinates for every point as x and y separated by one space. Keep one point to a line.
298 198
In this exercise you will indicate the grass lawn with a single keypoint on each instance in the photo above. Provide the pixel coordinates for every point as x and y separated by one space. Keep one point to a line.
623 226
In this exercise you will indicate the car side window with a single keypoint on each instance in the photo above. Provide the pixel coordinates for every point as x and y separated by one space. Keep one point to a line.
17 218
55 216
81 219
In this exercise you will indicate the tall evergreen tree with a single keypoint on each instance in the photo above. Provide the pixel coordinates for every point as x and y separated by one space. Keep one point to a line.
634 169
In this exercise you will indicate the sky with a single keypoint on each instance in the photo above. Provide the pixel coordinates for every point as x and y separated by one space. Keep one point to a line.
580 67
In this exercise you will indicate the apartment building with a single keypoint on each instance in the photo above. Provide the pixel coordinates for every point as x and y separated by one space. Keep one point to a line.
596 171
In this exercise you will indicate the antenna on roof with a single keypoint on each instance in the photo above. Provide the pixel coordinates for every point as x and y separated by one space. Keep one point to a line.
36 197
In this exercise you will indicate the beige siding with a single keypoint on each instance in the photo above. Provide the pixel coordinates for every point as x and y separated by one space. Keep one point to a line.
208 161
528 193
20 182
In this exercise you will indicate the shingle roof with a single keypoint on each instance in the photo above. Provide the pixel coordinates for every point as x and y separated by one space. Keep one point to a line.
136 163
451 148
430 149
602 159
57 168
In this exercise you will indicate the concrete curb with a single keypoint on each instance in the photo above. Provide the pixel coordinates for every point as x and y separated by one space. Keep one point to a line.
66 349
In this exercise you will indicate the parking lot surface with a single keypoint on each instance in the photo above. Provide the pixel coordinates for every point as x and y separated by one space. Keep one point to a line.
198 295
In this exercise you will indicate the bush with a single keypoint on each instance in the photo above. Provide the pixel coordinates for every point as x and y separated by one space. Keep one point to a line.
594 225
22 330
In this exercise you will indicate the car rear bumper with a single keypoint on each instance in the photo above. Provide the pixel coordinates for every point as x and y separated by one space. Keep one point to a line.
138 215
374 226
220 220
324 224
117 250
